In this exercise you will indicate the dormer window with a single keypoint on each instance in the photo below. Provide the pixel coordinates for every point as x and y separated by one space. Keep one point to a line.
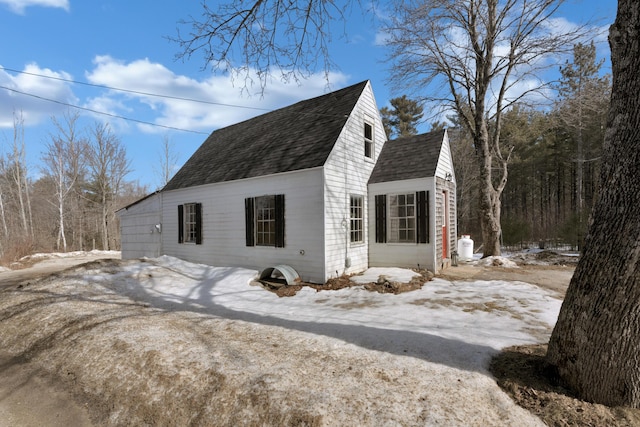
368 140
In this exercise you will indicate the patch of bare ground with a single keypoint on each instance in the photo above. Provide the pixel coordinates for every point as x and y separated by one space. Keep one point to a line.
554 274
383 285
522 373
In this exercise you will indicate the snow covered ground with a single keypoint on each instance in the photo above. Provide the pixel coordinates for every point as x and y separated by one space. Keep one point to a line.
490 314
433 345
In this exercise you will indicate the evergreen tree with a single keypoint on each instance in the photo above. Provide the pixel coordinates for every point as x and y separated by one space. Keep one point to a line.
581 110
401 119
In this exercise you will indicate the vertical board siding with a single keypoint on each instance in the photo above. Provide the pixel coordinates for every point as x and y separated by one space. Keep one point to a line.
346 173
452 229
224 240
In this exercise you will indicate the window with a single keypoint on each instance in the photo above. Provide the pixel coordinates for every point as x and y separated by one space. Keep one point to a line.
368 140
357 216
190 223
264 221
402 218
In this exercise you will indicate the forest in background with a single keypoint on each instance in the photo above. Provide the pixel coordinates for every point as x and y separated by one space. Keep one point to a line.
555 157
555 151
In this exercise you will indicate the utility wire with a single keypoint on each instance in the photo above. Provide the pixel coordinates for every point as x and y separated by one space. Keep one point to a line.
136 92
101 112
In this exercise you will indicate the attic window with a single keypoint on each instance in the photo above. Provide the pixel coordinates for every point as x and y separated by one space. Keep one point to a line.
368 140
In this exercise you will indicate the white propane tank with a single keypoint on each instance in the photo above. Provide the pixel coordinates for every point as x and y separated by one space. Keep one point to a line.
465 248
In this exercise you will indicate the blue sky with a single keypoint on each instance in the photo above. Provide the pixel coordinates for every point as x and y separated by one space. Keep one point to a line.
123 44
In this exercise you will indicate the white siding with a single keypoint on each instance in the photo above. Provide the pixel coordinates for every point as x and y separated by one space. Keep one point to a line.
408 255
445 161
223 223
346 173
138 233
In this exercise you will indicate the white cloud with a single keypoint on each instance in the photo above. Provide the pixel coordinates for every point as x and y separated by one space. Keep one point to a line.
227 101
29 93
382 38
226 98
19 6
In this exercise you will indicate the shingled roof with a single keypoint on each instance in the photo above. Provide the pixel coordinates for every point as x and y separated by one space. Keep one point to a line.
408 158
296 137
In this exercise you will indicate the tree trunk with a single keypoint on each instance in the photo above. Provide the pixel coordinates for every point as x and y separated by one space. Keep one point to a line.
103 220
596 341
490 205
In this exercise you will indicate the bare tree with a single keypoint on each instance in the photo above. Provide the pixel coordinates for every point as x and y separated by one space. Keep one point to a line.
108 165
64 163
3 217
168 161
596 341
469 57
264 36
19 175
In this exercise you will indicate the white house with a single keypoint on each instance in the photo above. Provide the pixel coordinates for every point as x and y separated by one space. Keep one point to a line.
296 188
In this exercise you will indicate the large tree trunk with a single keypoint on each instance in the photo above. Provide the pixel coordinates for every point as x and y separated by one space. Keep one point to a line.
595 345
490 205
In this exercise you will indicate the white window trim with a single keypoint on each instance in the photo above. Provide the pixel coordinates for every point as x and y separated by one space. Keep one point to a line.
271 221
190 223
372 142
357 220
394 236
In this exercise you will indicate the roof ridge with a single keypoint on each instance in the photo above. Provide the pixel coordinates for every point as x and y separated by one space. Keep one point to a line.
295 137
400 160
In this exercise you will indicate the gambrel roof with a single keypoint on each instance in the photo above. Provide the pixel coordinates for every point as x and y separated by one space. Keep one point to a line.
408 158
300 136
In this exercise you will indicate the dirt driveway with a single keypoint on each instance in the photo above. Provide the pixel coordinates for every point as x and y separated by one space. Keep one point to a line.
28 397
552 277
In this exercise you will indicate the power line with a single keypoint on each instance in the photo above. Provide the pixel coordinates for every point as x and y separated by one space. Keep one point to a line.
136 92
101 112
178 98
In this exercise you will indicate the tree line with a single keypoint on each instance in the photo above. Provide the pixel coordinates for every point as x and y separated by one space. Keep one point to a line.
554 163
71 205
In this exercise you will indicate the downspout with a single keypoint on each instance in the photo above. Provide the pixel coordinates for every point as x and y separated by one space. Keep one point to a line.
345 221
161 243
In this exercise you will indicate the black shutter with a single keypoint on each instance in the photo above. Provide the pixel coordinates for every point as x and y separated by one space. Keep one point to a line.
198 223
279 202
422 214
248 220
381 218
180 223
